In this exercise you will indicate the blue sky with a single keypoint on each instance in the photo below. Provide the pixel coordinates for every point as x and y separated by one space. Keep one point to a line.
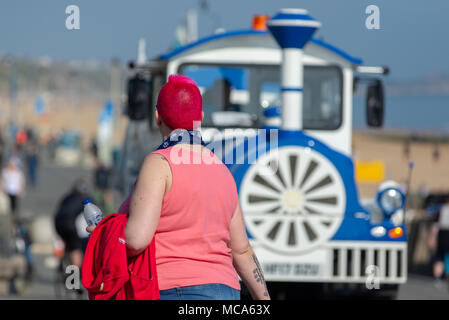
412 39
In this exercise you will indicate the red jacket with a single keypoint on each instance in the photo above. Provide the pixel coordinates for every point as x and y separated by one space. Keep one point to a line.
107 272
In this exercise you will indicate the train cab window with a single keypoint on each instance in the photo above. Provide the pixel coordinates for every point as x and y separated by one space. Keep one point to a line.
322 98
236 95
231 94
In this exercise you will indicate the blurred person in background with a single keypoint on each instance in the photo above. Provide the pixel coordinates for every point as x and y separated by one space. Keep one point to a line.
32 161
16 156
93 148
436 152
13 184
21 138
24 240
441 230
52 145
67 218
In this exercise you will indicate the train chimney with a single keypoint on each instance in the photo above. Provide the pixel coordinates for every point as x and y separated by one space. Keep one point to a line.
292 29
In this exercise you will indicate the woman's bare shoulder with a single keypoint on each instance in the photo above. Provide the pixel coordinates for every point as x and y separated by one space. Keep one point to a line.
156 161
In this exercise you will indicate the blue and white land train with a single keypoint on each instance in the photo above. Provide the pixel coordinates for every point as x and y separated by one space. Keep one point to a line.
305 220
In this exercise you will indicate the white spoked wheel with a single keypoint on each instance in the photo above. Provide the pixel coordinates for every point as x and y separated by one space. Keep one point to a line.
293 199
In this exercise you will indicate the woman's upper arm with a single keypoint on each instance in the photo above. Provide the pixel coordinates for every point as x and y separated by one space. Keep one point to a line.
239 240
146 201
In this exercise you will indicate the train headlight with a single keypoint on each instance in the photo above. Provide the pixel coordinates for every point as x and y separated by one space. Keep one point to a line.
390 198
378 231
396 232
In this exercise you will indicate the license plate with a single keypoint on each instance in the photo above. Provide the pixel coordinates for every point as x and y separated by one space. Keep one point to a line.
292 269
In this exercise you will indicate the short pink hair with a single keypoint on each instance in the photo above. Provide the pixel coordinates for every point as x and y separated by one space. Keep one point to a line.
179 103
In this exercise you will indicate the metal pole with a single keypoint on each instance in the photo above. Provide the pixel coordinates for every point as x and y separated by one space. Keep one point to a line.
12 97
292 29
291 89
192 25
115 89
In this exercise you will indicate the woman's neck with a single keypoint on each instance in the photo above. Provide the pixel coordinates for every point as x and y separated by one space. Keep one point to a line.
166 135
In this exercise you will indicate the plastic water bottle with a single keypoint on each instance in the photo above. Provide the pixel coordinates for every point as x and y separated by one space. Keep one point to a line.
92 213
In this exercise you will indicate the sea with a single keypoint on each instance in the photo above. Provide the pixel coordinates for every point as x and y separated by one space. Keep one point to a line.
427 114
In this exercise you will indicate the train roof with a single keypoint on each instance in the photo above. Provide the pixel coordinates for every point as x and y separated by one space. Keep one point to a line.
233 37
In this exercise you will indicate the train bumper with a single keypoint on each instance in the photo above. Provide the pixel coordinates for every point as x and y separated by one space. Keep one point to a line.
339 262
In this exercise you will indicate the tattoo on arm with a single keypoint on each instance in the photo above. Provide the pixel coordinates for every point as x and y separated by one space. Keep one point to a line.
163 158
258 275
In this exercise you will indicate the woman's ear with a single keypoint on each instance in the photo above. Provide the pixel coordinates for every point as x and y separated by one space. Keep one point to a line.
157 118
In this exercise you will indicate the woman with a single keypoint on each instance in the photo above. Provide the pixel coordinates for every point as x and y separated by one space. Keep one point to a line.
13 183
187 199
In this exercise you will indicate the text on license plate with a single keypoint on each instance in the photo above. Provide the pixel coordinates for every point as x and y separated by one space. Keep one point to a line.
291 269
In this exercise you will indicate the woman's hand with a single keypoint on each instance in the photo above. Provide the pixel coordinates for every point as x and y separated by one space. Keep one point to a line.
90 229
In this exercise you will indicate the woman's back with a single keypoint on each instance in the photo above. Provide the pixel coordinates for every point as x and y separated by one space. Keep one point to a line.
193 232
187 201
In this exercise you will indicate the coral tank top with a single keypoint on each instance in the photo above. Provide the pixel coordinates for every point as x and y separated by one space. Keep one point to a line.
194 228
